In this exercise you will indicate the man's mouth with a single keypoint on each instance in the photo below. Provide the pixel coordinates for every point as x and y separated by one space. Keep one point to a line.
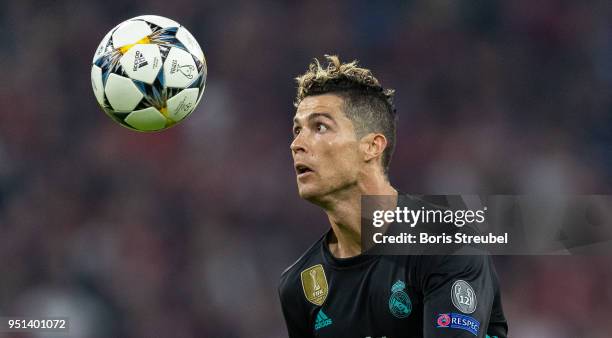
302 169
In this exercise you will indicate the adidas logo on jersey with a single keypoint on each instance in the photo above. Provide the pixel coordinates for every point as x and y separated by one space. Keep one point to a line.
322 320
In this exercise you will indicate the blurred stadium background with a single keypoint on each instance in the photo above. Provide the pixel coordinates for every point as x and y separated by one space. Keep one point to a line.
185 233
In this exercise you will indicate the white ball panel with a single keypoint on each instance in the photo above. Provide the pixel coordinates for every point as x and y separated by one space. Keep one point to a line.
148 119
185 37
102 46
179 69
96 84
142 62
160 21
181 104
122 93
129 32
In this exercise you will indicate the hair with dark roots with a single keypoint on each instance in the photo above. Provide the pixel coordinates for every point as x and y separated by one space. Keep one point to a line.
366 103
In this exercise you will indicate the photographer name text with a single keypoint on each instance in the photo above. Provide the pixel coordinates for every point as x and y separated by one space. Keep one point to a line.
425 238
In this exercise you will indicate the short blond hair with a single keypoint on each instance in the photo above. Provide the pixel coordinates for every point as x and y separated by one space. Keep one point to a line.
317 78
366 102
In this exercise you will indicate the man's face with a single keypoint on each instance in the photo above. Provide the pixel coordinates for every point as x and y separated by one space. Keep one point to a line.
325 148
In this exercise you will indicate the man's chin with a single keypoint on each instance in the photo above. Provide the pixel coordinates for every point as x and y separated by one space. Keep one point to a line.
309 193
314 195
306 194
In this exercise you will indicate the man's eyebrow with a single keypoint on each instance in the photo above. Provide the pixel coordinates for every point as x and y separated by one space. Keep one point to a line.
314 116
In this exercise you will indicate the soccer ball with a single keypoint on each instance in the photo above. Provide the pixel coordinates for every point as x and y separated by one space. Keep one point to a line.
148 73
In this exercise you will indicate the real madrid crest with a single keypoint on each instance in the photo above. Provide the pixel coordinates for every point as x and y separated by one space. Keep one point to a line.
399 302
314 284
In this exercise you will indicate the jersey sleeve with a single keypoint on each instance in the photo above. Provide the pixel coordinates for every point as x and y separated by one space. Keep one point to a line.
296 317
460 292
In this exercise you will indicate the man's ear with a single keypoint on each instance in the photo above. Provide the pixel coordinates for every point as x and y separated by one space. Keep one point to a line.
373 145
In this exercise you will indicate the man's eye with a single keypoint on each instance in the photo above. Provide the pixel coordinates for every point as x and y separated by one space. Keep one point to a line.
296 131
321 127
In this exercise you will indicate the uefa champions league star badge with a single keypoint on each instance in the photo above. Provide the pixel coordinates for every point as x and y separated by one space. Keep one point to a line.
399 302
314 284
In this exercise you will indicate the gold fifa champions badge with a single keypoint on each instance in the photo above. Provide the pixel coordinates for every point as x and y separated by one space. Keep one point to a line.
314 284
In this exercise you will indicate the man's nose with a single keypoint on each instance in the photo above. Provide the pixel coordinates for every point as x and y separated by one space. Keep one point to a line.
298 144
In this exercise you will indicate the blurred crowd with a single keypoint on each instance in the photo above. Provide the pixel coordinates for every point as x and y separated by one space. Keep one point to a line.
184 233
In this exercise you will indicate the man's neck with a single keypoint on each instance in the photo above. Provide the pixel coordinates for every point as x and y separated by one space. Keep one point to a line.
344 214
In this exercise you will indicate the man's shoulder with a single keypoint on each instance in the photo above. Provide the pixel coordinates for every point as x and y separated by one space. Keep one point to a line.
312 254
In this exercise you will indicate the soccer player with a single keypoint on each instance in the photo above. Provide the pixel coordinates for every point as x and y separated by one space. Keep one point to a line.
344 135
